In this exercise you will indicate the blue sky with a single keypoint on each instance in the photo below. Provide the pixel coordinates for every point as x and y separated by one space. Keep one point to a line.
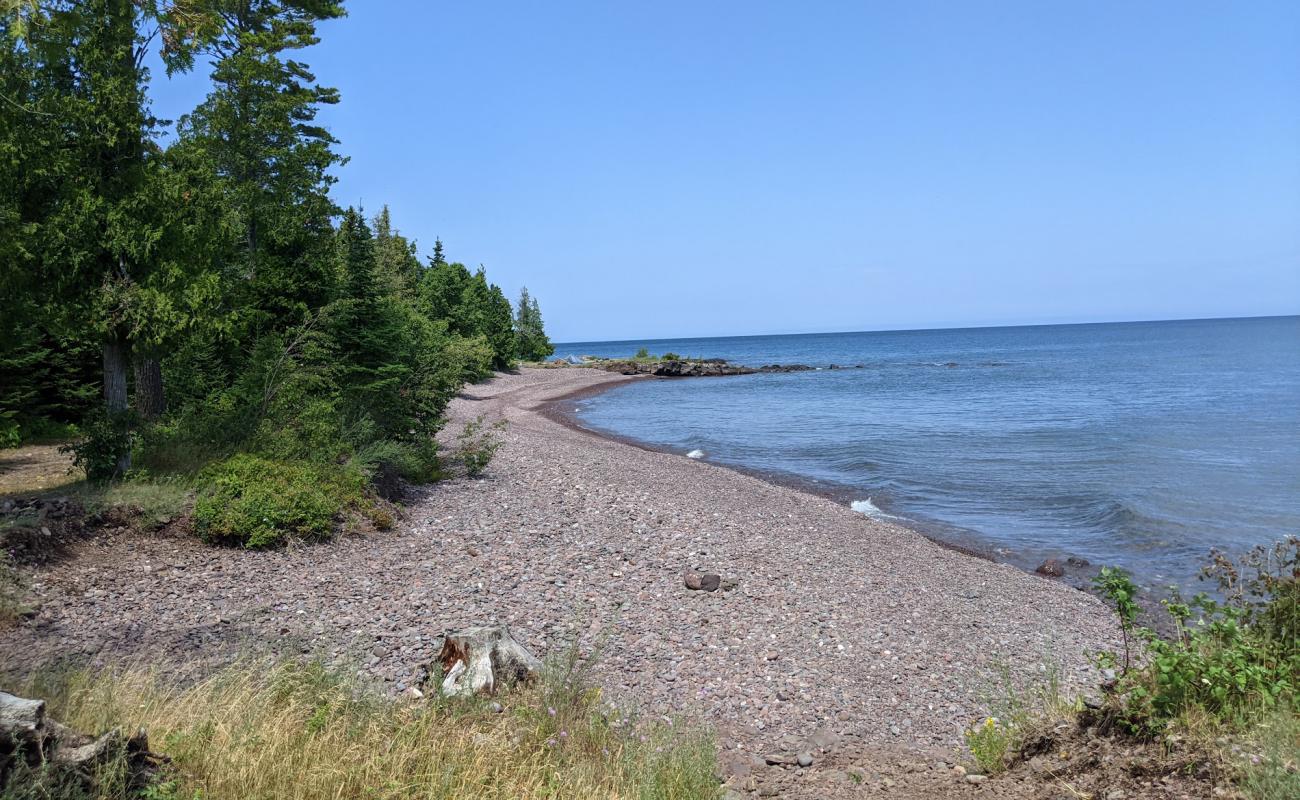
692 169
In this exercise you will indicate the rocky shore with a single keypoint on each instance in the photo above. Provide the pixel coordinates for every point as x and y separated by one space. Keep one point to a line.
695 368
808 620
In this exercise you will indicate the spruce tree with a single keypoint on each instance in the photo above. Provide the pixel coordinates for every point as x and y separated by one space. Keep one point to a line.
257 132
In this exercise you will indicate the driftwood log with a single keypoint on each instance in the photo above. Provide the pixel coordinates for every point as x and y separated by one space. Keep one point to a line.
29 741
483 660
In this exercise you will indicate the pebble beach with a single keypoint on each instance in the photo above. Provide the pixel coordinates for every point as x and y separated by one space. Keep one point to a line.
823 620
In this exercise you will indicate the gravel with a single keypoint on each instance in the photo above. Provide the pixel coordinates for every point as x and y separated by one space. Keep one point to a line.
825 619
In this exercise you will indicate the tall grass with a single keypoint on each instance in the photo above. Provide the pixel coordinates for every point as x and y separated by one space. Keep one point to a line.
299 731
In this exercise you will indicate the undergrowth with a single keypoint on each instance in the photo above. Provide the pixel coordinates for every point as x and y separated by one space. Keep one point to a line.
1016 710
301 731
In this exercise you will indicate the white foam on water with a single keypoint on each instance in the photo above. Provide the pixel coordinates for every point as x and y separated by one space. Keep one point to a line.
695 454
868 508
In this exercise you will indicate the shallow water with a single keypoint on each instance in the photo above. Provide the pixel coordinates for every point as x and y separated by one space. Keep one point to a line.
1138 444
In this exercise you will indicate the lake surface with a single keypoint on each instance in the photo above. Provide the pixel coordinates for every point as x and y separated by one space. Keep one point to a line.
1137 444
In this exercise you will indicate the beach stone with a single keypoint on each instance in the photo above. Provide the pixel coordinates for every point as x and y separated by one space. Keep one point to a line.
822 739
710 582
693 580
781 759
976 779
805 759
1052 568
737 765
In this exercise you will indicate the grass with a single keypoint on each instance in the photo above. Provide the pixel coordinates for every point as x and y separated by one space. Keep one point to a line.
1016 711
13 590
155 501
1271 770
299 731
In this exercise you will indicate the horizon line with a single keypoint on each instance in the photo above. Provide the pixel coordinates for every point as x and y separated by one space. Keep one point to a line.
990 326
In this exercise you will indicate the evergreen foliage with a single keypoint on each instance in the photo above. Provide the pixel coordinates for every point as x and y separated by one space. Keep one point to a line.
205 308
531 342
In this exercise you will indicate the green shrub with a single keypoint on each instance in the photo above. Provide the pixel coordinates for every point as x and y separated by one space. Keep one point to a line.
477 445
671 357
1233 659
642 353
103 453
255 502
990 742
10 434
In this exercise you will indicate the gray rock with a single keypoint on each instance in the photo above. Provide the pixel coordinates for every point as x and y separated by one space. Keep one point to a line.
710 582
805 759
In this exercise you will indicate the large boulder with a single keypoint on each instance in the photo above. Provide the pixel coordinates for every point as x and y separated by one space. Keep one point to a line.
484 659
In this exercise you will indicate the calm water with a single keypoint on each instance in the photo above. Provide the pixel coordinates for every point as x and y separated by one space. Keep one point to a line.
1138 444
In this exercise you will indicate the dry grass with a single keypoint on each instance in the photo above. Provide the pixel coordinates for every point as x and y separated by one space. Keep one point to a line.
295 731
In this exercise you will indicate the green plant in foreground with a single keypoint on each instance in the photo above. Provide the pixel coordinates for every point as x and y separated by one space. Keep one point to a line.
1272 770
990 743
1234 660
1015 710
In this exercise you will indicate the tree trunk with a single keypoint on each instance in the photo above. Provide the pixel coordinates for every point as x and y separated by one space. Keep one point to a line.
150 401
116 359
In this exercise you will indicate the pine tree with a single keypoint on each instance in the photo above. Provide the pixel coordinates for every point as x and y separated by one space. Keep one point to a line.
531 343
395 257
256 131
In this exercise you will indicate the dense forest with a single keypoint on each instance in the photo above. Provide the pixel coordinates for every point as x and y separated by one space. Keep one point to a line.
196 304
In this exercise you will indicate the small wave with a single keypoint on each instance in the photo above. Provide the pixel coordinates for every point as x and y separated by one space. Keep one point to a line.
869 509
695 454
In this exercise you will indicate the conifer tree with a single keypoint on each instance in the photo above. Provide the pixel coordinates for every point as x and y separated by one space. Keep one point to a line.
531 342
257 133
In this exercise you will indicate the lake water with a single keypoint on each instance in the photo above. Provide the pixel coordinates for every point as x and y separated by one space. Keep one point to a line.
1137 444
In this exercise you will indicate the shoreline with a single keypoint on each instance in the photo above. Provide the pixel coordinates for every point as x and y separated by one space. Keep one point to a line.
830 620
564 411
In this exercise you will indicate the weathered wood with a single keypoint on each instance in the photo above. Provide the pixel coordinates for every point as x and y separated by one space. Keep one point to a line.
20 718
483 660
28 737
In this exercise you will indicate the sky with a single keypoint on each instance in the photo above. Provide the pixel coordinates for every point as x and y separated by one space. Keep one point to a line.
673 169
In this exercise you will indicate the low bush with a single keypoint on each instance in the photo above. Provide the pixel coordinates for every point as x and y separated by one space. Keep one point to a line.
255 502
303 731
1232 660
477 444
105 437
671 357
10 433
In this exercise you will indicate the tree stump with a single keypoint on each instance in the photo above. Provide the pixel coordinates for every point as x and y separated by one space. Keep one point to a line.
483 660
30 741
